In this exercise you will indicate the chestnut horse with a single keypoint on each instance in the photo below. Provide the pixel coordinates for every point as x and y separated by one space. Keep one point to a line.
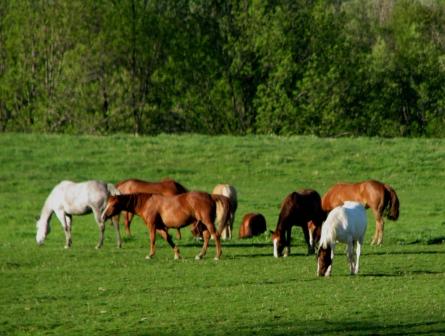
163 212
378 196
253 224
167 187
302 208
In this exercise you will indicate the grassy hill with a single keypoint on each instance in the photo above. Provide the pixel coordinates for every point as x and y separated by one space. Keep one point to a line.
48 290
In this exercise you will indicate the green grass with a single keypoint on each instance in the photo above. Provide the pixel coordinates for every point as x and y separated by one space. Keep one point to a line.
82 291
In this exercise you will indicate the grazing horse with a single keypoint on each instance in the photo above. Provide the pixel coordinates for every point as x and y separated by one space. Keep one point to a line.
163 212
378 196
67 199
230 192
253 224
346 224
165 187
301 209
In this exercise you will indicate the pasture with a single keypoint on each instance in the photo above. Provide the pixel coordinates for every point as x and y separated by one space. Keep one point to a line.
47 290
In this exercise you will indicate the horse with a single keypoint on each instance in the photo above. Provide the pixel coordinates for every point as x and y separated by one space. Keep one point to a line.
230 192
163 212
69 198
253 224
166 187
346 224
378 196
298 208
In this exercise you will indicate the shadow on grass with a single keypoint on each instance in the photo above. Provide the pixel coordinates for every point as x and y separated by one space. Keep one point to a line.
275 326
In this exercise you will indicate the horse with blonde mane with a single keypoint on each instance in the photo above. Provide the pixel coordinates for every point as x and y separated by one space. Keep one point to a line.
378 196
69 198
163 212
345 224
230 192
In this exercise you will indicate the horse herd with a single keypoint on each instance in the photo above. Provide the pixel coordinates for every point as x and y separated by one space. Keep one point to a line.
338 216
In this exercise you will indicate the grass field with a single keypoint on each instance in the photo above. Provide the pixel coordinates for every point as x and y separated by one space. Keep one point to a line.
82 291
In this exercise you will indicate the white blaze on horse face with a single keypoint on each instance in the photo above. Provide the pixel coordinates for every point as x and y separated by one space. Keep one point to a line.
275 247
311 237
328 271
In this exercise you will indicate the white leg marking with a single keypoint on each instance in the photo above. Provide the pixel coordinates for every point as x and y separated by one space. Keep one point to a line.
275 248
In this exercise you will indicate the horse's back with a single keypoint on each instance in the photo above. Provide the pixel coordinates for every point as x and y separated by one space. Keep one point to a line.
229 191
167 187
79 198
345 222
253 224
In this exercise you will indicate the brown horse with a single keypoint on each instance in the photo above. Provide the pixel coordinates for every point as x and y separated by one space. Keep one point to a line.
378 196
253 224
166 187
163 212
302 208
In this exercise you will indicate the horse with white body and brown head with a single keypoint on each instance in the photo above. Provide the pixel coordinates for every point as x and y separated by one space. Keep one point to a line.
346 224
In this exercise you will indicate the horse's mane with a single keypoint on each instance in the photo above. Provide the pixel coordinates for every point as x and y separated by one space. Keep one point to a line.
134 201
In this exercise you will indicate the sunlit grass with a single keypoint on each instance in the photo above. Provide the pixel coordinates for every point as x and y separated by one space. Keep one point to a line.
83 291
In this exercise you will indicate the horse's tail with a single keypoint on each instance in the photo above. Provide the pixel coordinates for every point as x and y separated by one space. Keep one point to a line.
113 190
226 214
393 203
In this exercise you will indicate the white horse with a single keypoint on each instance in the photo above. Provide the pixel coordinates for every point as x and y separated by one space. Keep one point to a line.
230 192
69 198
345 224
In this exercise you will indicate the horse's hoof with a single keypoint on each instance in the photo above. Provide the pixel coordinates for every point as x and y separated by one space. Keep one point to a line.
178 257
216 258
147 257
198 257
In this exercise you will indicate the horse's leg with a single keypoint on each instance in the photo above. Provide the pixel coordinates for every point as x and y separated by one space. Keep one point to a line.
379 225
151 226
358 250
178 234
164 234
350 254
65 220
205 245
115 221
308 237
101 226
215 234
128 217
287 240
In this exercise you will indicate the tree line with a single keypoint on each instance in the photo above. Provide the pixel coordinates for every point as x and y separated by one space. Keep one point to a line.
322 67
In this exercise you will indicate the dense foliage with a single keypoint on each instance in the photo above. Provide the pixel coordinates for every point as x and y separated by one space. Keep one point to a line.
326 67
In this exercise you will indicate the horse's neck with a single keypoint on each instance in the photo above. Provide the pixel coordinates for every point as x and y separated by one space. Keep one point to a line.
47 210
134 202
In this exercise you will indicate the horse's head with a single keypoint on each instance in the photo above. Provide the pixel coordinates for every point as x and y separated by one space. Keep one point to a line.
278 244
324 261
112 208
43 229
